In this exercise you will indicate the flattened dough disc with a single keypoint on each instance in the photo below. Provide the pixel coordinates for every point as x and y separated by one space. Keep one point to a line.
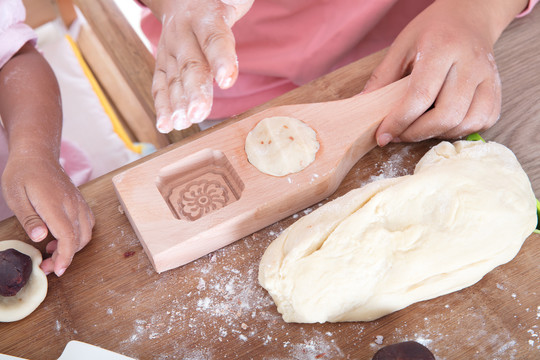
14 308
281 145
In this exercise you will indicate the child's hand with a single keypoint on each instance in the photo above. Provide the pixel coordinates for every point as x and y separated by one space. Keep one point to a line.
42 196
196 46
34 184
448 50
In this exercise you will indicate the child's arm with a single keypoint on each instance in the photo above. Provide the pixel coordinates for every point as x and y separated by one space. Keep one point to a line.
448 49
34 184
196 46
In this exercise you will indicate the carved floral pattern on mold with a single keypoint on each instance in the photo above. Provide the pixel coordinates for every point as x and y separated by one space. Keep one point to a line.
202 197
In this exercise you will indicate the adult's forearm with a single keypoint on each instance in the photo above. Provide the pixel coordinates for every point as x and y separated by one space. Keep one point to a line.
497 14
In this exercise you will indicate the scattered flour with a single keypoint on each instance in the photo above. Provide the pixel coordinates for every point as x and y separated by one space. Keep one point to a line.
221 305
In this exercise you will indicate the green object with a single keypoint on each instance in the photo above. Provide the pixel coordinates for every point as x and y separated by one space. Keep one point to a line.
477 137
538 216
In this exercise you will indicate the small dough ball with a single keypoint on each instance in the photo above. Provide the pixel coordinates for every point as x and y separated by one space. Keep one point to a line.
408 350
281 145
22 304
15 269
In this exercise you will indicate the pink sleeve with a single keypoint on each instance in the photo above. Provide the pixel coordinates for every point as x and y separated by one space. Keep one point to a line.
529 7
14 33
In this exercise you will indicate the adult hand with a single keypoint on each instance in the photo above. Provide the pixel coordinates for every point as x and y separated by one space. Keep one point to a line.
454 87
196 46
42 197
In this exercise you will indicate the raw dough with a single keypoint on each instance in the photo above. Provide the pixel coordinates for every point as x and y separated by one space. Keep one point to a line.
16 307
281 146
467 209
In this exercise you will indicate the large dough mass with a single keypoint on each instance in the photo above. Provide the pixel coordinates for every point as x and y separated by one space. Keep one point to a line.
281 145
467 209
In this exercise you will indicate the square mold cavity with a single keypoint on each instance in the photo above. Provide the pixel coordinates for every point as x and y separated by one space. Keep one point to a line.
199 184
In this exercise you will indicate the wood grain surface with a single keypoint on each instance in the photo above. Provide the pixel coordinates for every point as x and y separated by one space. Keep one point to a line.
154 194
214 308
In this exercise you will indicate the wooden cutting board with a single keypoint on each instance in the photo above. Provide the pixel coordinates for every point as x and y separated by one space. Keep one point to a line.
213 308
174 231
